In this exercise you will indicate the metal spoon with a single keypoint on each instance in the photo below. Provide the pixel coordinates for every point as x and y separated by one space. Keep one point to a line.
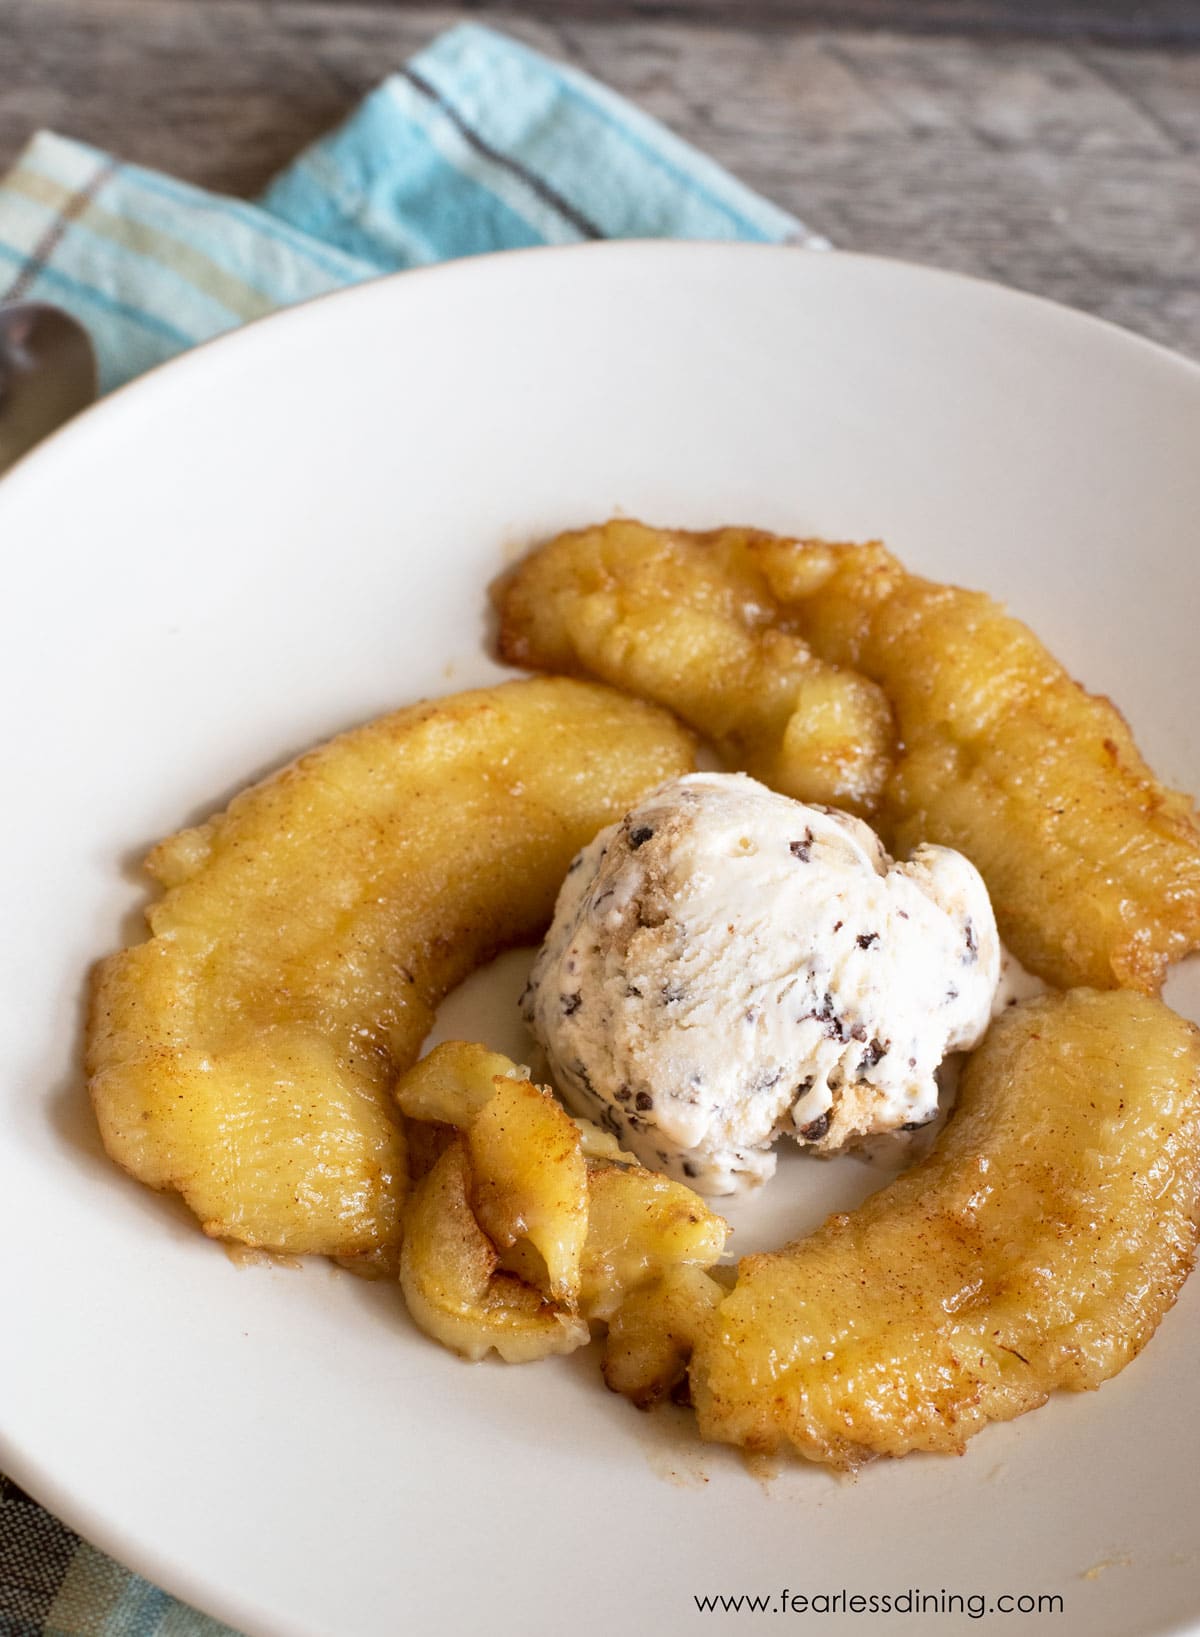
47 374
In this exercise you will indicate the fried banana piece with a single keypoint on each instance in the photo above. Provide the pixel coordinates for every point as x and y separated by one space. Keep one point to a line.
453 1283
1092 864
530 1180
244 1055
516 1237
453 1083
689 621
1037 1247
653 1334
641 1226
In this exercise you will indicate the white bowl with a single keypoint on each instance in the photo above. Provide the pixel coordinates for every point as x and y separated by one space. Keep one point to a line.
291 530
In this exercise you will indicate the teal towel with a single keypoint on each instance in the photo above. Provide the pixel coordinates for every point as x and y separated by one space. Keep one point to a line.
478 144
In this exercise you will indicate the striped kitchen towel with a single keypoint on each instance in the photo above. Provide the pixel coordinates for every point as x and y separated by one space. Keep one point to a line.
477 144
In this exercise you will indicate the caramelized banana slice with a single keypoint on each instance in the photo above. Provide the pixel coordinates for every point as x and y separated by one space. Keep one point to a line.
689 620
453 1082
640 1225
654 1333
1092 864
245 1054
529 1180
543 1220
454 1287
568 1212
1036 1247
599 1144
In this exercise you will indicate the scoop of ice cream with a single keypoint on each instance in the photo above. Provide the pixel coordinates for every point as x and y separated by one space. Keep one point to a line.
727 964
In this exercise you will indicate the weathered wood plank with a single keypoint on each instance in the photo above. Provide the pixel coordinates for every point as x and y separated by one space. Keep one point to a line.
1158 22
1146 22
1066 168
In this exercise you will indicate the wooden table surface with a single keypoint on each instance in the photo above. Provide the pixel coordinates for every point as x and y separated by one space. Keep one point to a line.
1051 144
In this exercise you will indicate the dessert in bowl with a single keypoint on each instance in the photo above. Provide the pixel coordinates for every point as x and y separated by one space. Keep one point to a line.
259 1053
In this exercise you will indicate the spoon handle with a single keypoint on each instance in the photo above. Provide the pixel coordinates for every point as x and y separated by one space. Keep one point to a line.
47 374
